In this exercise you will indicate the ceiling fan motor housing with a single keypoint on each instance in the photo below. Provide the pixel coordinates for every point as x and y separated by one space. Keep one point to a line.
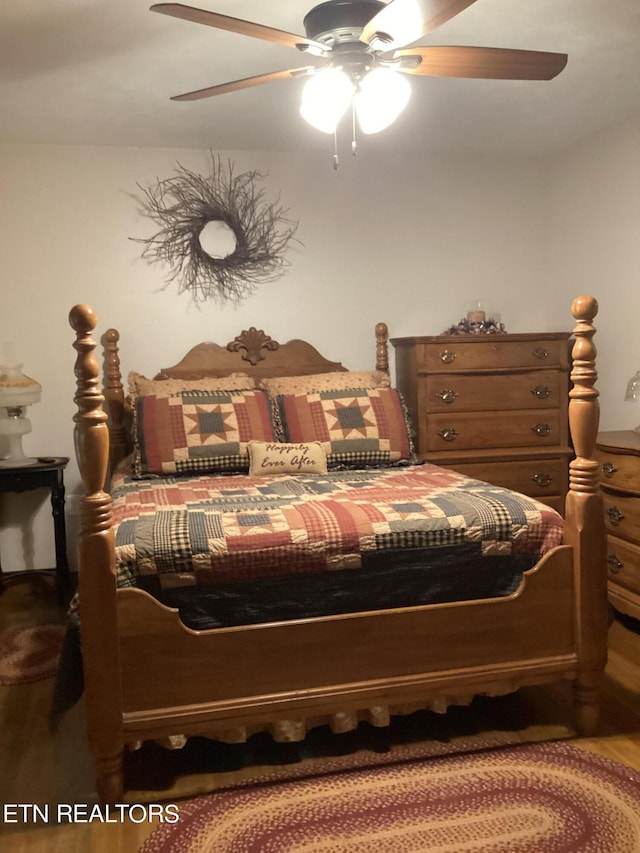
339 21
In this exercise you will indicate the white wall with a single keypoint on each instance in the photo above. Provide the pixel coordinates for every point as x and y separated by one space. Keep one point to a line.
410 242
594 247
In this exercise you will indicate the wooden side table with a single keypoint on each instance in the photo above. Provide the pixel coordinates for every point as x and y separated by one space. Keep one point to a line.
44 473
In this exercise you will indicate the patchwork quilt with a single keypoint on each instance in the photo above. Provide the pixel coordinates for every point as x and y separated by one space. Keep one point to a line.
239 529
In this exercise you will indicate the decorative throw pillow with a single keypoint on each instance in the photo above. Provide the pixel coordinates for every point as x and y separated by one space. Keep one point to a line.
198 431
305 457
139 385
315 382
360 428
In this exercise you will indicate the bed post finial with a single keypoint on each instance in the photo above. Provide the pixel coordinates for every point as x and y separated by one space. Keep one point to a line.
584 526
382 347
96 566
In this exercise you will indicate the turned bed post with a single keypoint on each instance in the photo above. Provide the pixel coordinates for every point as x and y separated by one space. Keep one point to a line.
96 568
584 528
382 347
115 398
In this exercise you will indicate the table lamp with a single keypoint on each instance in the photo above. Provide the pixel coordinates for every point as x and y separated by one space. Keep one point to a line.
633 392
16 391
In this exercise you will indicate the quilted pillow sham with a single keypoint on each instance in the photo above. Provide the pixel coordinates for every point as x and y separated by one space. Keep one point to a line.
199 432
140 385
335 381
361 428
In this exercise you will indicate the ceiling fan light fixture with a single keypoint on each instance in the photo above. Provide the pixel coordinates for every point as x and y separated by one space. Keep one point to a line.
325 99
381 96
399 24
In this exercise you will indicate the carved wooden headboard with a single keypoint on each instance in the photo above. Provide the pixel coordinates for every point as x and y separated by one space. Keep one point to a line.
252 352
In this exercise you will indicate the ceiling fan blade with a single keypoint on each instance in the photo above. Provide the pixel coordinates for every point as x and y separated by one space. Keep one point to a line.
482 62
405 21
237 25
245 83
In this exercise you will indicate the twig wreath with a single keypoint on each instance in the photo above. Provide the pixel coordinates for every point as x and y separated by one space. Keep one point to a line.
186 203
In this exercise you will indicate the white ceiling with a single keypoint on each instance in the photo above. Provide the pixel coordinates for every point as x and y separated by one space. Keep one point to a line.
100 72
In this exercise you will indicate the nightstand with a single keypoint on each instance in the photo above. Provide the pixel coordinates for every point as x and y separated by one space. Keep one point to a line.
619 456
44 473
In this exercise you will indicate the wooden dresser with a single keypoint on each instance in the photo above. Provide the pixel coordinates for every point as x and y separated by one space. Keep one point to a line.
493 407
619 456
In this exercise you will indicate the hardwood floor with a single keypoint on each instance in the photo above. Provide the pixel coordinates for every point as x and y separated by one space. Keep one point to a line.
45 767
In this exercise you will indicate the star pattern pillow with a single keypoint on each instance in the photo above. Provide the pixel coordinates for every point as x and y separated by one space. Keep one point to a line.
358 428
198 432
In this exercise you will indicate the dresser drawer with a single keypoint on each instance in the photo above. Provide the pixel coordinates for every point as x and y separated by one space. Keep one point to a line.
618 470
464 431
535 477
622 515
477 393
623 563
492 354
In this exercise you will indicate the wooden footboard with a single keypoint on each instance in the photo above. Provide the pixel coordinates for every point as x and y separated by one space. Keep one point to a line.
147 675
293 670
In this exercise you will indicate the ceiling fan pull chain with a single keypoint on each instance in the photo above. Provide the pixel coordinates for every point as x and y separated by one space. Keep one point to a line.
354 143
336 159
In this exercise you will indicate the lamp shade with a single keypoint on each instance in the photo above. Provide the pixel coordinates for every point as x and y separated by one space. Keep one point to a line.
16 392
16 389
325 99
632 394
633 389
381 97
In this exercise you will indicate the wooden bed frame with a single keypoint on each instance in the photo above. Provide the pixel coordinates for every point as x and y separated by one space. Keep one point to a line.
148 676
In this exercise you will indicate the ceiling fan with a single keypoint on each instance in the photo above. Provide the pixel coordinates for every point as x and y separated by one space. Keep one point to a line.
359 53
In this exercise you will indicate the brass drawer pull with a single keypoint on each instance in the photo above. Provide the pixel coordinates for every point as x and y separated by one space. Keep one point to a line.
541 429
615 516
449 434
615 565
542 479
540 353
542 392
447 395
609 469
447 356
